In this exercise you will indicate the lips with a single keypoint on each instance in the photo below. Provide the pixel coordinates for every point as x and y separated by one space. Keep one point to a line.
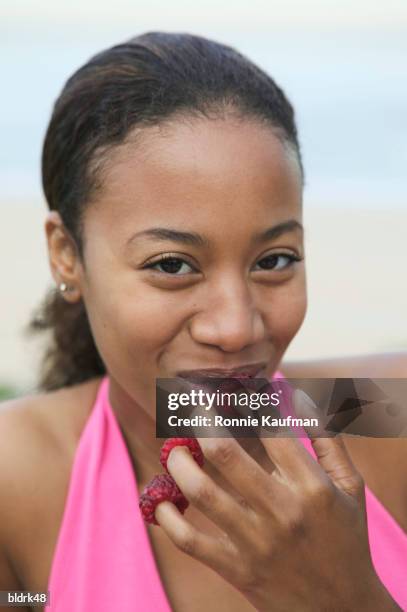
241 373
232 380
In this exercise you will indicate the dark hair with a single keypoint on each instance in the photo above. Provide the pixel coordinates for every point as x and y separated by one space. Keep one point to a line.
144 81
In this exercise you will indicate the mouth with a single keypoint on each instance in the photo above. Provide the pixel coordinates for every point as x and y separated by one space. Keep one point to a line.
256 370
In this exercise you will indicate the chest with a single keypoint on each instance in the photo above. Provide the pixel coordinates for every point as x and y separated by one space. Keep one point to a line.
189 584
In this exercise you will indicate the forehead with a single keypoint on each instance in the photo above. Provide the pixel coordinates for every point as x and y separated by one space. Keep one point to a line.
210 169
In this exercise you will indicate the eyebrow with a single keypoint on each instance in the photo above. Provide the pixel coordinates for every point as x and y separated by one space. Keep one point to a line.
195 239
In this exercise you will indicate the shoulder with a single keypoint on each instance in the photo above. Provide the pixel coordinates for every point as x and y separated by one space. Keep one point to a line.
39 434
380 365
44 422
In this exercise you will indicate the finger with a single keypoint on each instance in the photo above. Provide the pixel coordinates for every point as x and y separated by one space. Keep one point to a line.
246 476
331 452
242 471
218 553
291 460
231 515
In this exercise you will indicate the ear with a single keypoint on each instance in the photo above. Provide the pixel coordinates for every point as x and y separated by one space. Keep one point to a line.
63 257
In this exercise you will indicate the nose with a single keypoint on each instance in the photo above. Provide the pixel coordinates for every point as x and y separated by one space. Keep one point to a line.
230 319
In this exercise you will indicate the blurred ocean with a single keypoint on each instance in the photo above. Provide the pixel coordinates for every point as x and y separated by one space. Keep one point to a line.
349 91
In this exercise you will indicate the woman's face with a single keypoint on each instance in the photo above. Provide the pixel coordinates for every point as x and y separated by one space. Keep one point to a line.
205 193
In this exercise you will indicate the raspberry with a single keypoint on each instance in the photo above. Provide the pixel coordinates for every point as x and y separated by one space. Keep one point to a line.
192 444
161 488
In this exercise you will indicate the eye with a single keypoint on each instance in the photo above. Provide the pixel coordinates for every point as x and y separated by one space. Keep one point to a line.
271 262
170 265
173 266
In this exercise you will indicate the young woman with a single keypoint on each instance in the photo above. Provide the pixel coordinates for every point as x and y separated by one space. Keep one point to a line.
172 171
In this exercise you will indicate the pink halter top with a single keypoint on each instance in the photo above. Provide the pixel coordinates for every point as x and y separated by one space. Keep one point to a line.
103 558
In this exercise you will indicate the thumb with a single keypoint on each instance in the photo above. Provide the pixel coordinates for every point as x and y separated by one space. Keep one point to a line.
329 448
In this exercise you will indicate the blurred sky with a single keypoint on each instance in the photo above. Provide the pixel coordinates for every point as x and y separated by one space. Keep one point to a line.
343 65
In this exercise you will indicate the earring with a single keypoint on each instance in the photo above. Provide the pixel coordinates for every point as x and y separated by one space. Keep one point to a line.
63 287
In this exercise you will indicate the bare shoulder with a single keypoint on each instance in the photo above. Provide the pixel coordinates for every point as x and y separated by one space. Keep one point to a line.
380 365
39 434
42 422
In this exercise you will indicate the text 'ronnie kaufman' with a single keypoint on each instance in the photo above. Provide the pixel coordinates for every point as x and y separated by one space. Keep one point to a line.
248 421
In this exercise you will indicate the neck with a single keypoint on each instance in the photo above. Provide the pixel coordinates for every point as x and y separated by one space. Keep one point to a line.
137 426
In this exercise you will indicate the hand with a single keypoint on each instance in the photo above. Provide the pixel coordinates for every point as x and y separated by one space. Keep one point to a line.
293 539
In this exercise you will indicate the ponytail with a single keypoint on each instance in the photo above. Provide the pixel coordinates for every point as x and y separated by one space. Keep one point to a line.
71 356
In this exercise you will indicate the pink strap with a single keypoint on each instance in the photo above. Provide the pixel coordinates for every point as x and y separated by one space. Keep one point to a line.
103 559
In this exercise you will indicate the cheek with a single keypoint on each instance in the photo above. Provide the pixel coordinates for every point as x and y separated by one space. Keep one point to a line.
135 321
286 312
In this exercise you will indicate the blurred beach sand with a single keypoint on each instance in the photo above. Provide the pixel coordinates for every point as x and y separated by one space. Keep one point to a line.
356 278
